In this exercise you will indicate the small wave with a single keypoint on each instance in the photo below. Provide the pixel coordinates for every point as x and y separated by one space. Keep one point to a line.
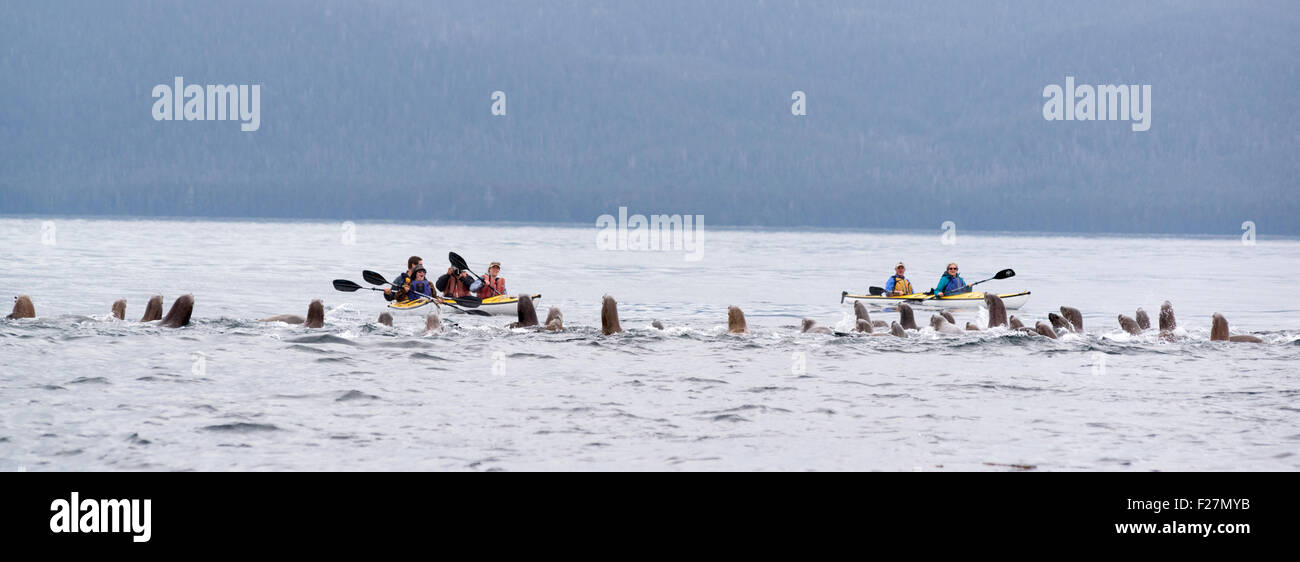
355 395
424 356
322 338
241 427
89 380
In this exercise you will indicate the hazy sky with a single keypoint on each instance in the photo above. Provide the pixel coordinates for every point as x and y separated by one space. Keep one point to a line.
915 115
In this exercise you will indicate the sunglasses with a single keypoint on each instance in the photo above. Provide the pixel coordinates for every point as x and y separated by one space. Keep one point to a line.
952 269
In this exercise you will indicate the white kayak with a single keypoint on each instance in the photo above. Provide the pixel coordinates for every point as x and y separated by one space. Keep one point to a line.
972 300
491 306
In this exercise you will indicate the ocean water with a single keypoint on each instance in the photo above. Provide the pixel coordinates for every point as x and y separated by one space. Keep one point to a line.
81 391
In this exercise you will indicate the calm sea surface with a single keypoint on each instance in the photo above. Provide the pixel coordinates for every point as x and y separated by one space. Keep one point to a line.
80 391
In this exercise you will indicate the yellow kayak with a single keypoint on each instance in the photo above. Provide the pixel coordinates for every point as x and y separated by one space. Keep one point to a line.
501 305
970 300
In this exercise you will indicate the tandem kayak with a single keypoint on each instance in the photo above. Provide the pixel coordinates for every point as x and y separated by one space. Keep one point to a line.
495 306
971 300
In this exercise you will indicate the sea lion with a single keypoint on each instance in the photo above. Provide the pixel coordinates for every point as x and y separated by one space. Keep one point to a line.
736 321
897 330
860 311
879 324
525 312
386 319
554 319
948 316
1045 330
1143 321
1059 322
315 315
1130 325
863 326
1074 316
153 310
942 325
997 310
905 317
657 325
1015 323
1167 321
971 327
810 326
609 316
286 318
23 308
119 309
1219 332
432 324
179 314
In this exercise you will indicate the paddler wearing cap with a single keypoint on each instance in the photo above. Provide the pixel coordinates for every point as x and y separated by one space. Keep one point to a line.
492 284
420 286
898 285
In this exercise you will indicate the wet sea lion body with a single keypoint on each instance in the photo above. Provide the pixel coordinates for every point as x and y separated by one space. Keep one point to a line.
1167 321
554 319
180 312
906 318
1044 330
386 319
1219 332
1059 322
23 308
948 316
942 325
1143 321
997 310
315 315
432 323
736 320
897 330
1074 316
810 327
1129 325
609 316
525 313
1016 324
119 309
153 309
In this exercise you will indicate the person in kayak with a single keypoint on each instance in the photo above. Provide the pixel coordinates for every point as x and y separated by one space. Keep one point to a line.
898 285
491 284
420 287
402 279
455 283
951 283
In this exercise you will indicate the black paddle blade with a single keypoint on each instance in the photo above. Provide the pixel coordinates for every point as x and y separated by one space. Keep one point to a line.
1005 274
457 261
876 291
346 286
373 278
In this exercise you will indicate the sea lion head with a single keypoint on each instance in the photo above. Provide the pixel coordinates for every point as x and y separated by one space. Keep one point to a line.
860 311
1143 321
971 327
315 314
119 309
432 324
180 312
525 312
1044 330
609 316
1059 322
905 317
948 316
386 319
1074 316
1167 321
1219 328
736 320
864 326
1129 325
23 308
554 319
1015 323
153 309
657 325
997 310
897 330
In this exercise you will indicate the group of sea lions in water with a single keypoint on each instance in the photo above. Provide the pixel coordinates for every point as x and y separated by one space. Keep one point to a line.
177 316
1070 320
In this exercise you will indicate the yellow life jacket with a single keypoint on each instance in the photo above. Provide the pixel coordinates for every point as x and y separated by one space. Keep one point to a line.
902 286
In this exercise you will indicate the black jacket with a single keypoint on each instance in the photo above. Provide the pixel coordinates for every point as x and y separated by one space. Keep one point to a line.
401 279
441 283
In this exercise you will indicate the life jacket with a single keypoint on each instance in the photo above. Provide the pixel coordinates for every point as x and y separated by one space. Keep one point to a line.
488 284
955 285
421 289
902 286
455 288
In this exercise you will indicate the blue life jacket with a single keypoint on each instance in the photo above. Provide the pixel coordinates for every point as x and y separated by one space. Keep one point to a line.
421 289
955 284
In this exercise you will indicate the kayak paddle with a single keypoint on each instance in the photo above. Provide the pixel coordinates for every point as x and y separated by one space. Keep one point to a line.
350 286
1000 275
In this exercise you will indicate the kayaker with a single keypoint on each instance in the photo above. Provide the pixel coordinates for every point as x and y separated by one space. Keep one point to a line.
898 285
951 283
455 283
402 279
420 286
492 284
